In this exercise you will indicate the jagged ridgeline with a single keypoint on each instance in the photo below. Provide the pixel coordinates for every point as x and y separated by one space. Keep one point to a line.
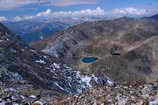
125 49
22 66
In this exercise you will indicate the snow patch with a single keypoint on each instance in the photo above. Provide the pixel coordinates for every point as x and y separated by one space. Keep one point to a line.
32 96
10 89
110 82
51 51
155 102
22 50
56 65
15 104
87 80
45 57
1 40
94 77
2 103
67 67
39 102
40 61
59 86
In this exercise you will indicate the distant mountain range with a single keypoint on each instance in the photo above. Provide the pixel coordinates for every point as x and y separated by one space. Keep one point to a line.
37 29
32 31
154 17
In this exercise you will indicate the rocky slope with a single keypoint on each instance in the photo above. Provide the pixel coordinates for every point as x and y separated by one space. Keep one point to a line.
114 95
28 76
125 48
23 69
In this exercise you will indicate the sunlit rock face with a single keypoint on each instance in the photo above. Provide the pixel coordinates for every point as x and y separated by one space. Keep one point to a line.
125 48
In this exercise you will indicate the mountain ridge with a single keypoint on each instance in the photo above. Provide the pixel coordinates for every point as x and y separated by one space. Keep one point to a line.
126 51
32 30
99 38
155 17
20 62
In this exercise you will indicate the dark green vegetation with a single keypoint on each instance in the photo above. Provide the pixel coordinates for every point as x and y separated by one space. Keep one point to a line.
126 48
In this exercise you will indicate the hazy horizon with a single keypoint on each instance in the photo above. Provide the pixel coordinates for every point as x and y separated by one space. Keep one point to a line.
17 10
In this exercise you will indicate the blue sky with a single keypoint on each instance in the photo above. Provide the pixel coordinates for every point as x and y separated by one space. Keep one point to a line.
11 9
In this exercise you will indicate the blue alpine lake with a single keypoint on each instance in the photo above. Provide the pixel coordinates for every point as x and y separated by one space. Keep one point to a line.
89 59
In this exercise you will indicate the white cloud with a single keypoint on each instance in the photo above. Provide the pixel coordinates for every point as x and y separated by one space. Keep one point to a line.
129 11
44 13
17 18
2 18
64 14
82 13
20 18
87 13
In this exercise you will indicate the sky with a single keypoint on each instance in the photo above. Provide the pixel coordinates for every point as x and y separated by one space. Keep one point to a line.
17 10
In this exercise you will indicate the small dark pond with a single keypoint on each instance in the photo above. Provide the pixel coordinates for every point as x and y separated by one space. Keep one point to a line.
89 59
